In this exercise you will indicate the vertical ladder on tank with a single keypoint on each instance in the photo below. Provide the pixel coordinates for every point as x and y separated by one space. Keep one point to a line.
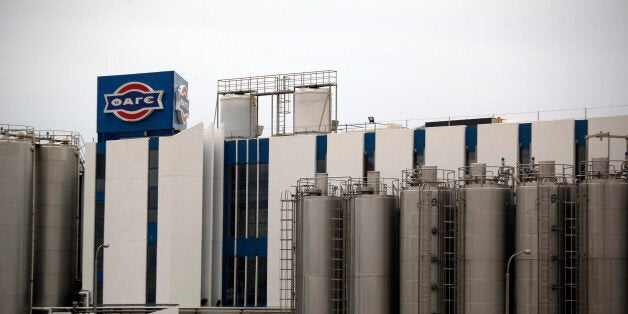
348 262
287 295
571 254
447 221
338 304
460 251
544 253
425 252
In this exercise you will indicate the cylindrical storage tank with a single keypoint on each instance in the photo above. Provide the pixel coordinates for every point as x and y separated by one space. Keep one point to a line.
314 253
372 254
606 224
312 110
239 115
56 206
418 216
16 186
537 221
485 243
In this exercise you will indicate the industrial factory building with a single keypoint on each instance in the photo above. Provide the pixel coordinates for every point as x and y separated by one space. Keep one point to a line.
320 217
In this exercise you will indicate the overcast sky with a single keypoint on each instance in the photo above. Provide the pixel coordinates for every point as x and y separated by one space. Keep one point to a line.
395 60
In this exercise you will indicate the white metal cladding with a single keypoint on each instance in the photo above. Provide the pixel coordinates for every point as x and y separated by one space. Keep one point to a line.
312 110
345 154
393 152
238 116
126 186
219 148
497 141
89 195
553 140
208 213
616 126
179 231
290 158
444 147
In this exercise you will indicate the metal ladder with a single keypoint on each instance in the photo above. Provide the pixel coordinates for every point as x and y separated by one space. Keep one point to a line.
283 104
571 242
287 295
338 304
447 221
425 252
544 254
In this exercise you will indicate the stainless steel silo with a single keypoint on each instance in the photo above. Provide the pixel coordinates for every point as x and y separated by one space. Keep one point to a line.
487 203
605 194
542 200
57 201
16 205
372 255
314 215
427 242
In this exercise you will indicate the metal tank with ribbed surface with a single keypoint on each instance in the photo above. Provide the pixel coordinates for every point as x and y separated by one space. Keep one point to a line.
57 202
427 248
545 208
486 203
605 213
314 246
372 254
16 205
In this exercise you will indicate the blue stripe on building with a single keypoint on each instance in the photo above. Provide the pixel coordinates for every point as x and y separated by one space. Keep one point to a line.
321 147
99 214
525 135
581 131
471 137
152 214
245 223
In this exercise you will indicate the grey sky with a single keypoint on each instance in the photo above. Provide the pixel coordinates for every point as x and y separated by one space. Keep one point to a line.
395 60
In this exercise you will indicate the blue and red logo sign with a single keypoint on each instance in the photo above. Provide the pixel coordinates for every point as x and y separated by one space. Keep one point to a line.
134 101
182 104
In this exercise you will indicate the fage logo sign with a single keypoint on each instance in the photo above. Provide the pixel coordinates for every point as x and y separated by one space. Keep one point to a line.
133 101
156 101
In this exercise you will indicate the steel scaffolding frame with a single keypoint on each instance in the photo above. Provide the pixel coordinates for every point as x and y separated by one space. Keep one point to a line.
281 88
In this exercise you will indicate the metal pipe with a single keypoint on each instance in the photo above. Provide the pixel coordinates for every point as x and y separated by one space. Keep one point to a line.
95 285
526 251
33 213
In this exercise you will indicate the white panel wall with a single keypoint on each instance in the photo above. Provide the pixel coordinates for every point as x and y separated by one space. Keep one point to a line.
394 150
345 154
445 147
553 140
126 190
616 126
180 217
497 141
219 153
89 195
208 212
290 158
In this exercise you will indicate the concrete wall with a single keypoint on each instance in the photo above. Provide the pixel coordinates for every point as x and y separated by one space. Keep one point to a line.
180 217
345 154
497 141
616 126
89 195
393 152
126 190
445 147
290 159
553 140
